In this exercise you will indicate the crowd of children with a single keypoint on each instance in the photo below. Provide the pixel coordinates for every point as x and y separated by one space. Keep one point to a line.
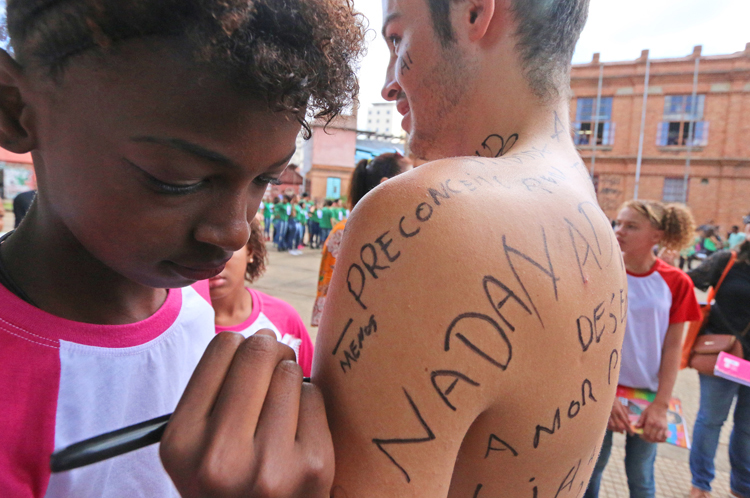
295 221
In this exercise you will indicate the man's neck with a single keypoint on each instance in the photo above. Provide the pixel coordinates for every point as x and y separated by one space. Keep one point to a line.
495 124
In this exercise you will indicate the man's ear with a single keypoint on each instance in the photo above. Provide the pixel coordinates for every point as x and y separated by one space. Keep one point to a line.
15 134
476 16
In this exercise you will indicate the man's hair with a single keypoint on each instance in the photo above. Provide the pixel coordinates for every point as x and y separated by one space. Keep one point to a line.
546 37
289 53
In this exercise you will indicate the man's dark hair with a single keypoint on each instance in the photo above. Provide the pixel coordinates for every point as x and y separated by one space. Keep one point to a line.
547 34
289 53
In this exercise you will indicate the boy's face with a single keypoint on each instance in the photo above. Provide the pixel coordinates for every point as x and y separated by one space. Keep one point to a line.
155 166
426 80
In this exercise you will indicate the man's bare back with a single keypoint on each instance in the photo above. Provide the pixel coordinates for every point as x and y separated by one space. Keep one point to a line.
472 340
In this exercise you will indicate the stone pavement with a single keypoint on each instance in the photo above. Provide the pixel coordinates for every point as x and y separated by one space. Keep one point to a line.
294 279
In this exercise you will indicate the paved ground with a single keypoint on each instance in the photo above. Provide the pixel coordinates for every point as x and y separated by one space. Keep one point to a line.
293 278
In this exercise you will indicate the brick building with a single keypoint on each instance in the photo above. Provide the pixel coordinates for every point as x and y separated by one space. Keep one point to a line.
711 130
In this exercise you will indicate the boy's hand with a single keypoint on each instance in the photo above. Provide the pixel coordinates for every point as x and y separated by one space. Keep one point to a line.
247 426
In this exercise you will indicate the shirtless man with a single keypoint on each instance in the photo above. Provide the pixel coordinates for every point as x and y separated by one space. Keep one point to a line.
470 343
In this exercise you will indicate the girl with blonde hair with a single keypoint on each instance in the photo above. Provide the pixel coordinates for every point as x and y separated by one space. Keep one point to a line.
660 300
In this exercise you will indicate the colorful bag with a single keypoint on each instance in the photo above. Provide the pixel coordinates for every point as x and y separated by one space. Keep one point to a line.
701 351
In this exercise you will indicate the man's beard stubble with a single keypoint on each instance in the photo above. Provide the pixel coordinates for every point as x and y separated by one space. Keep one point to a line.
445 86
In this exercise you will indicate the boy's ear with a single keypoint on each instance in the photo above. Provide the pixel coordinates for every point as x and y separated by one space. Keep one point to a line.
15 134
476 15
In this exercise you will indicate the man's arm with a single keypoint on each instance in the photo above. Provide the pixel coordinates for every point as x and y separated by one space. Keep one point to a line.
653 419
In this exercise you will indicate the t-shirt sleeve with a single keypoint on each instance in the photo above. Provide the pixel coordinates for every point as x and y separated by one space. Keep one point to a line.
684 304
305 350
289 322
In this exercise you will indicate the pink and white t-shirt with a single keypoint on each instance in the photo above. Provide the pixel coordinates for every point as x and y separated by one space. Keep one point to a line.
662 296
63 381
277 315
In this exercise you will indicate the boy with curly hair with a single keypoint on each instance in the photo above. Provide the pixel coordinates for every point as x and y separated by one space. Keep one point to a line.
155 127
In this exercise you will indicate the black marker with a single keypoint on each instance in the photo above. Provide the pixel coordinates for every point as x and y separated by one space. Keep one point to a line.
111 444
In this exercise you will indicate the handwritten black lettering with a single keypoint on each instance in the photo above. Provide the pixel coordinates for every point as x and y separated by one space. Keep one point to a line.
503 446
569 479
451 189
614 354
436 194
598 314
585 343
501 183
586 382
384 247
404 65
560 128
403 232
583 208
479 179
548 270
540 428
341 337
456 376
577 405
468 185
476 491
373 265
502 362
589 249
532 183
347 361
501 145
553 176
490 283
355 346
357 295
420 210
380 443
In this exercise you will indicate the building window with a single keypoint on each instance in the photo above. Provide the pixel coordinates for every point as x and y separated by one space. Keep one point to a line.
674 190
674 130
583 127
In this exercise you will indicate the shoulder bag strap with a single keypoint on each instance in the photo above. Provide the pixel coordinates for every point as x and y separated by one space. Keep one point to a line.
713 291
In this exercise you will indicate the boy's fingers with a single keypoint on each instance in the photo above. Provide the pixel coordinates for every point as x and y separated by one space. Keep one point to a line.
277 424
238 407
314 436
203 388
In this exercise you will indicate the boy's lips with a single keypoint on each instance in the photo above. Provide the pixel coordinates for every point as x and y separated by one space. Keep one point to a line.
216 281
198 271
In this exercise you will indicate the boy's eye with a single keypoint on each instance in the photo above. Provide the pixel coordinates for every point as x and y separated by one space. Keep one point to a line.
162 187
265 180
394 41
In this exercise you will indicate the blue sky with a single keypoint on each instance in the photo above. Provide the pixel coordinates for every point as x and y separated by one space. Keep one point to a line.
618 30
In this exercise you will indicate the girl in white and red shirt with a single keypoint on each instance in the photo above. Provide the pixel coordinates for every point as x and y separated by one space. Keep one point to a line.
660 300
246 311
